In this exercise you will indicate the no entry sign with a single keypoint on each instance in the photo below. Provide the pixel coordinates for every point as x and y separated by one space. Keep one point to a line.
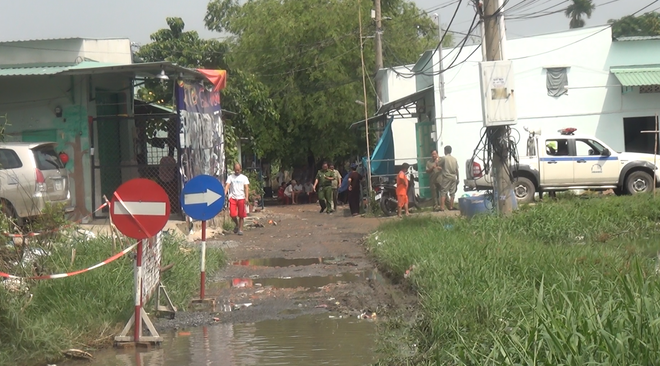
140 208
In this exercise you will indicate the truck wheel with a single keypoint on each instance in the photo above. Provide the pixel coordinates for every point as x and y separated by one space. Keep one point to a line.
638 182
524 190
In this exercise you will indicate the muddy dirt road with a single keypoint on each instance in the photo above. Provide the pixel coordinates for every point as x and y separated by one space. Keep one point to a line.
295 261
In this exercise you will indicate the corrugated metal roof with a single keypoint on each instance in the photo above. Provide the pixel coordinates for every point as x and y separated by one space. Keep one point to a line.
42 70
637 75
637 38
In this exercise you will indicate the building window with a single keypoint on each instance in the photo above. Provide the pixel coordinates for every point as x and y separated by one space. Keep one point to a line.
645 89
557 81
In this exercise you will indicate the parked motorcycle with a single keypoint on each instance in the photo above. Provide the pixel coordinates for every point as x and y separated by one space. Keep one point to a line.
386 196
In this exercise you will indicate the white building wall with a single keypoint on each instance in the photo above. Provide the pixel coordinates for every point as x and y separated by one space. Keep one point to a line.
64 51
114 51
395 87
594 104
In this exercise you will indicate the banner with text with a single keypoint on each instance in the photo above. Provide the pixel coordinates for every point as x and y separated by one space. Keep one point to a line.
201 135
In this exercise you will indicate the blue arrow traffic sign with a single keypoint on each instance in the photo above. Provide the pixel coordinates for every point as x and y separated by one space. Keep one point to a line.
203 197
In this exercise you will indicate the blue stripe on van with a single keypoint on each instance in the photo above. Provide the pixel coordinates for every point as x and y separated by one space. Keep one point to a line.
576 158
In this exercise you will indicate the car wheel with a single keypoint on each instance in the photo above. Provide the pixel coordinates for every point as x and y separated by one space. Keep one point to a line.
638 182
524 190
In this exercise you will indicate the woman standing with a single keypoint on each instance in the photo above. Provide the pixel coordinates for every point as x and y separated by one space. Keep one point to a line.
354 192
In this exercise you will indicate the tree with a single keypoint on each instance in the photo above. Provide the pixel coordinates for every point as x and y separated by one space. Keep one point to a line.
308 54
252 111
577 10
629 26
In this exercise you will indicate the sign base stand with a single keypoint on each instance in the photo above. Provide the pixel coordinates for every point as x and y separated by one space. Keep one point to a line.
123 337
169 307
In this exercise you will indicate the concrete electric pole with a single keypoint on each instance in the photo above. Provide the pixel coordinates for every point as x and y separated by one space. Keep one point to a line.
379 50
441 79
493 28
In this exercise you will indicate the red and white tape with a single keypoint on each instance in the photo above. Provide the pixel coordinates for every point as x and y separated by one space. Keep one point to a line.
70 274
31 235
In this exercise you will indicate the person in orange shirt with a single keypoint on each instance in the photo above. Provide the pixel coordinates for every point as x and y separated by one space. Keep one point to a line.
402 188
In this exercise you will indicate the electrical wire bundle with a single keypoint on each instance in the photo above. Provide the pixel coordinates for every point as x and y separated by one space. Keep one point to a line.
505 147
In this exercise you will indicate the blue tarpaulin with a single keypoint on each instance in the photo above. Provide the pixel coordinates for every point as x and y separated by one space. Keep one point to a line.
382 159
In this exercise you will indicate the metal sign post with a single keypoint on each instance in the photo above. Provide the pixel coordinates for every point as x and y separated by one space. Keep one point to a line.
655 152
202 198
140 209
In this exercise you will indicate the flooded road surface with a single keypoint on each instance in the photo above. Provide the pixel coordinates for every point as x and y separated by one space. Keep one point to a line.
305 340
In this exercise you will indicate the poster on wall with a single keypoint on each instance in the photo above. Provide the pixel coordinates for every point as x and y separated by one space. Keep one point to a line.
201 134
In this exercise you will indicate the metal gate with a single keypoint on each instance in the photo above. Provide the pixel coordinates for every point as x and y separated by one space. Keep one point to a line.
138 146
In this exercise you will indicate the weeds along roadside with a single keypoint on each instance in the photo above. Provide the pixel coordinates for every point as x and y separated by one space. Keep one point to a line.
87 309
568 282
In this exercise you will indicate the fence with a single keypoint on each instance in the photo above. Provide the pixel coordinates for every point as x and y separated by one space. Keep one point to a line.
129 147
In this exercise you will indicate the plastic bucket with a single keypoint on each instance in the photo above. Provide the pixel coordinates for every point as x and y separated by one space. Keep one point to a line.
474 205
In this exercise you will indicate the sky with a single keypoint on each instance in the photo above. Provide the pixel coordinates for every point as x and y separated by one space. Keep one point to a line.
137 19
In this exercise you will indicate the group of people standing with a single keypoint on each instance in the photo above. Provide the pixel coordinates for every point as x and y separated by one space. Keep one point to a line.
443 179
326 185
329 182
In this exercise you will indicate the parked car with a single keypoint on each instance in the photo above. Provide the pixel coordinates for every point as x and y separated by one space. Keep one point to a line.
566 161
31 176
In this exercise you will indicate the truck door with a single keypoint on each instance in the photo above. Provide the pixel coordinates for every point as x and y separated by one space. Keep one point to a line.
591 167
556 163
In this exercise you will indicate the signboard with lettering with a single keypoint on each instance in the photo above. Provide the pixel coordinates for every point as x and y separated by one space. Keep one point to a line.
201 134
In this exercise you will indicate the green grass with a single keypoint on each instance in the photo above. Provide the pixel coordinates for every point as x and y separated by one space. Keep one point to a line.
88 309
571 282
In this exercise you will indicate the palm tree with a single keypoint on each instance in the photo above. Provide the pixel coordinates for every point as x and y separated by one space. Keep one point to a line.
577 10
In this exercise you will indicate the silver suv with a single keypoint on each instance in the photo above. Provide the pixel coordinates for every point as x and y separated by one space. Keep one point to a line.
31 176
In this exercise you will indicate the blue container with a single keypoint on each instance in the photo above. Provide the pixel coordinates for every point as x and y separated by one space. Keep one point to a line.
470 206
473 205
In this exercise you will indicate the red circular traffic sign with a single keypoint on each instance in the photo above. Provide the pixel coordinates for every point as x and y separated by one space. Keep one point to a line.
140 208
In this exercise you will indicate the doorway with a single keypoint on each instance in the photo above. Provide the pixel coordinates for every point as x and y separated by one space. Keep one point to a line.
635 140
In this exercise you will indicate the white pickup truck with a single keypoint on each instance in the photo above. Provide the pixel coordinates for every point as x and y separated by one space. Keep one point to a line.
566 161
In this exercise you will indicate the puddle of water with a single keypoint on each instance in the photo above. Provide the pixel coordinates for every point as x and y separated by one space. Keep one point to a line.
282 262
295 282
305 340
310 282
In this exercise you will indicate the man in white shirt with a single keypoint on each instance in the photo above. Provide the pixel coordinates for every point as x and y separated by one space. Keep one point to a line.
309 191
237 190
292 192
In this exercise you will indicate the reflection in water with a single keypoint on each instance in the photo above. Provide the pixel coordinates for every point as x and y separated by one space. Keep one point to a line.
305 340
282 262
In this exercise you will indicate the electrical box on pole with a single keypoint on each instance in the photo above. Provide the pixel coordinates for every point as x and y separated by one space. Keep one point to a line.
497 93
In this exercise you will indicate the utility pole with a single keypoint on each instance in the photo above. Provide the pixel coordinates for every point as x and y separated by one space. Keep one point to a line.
493 29
366 109
441 79
379 50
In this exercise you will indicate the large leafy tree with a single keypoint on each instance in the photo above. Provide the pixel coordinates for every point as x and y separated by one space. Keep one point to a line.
308 54
577 11
251 109
644 25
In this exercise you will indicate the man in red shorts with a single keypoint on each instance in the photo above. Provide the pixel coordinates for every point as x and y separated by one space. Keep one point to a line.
237 189
402 188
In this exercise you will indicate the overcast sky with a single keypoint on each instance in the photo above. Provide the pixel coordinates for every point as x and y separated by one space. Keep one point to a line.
137 19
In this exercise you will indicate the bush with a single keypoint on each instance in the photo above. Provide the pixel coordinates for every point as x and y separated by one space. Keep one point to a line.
568 283
88 309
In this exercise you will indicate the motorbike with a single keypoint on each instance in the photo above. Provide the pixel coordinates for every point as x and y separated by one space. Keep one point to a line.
386 196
